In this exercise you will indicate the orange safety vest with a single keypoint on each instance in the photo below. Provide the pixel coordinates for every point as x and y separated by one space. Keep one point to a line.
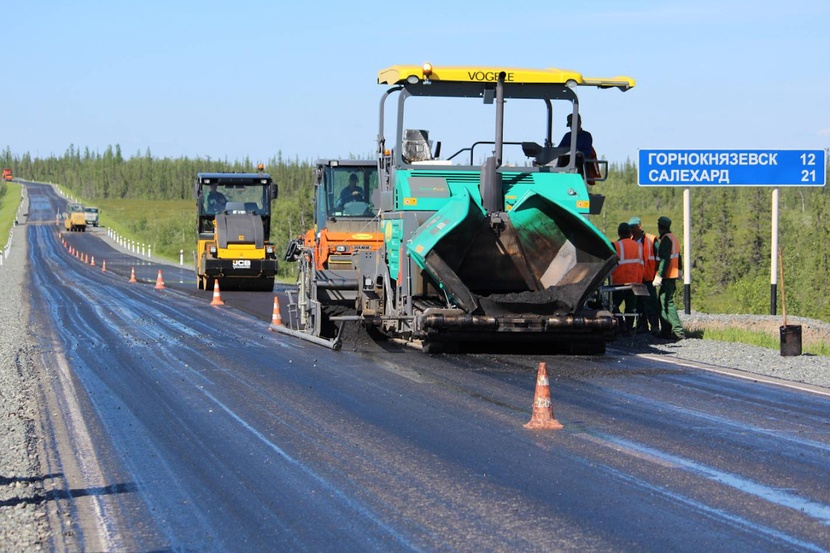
630 267
649 258
673 270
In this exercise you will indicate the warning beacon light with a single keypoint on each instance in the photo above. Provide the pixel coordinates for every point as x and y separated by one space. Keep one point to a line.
427 71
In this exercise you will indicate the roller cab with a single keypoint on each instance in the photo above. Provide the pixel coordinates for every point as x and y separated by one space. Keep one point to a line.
234 224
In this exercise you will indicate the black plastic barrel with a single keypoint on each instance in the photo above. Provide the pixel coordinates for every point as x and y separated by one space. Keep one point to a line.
790 340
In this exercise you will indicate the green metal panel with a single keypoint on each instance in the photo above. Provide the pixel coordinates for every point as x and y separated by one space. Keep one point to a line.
393 238
566 189
458 210
411 196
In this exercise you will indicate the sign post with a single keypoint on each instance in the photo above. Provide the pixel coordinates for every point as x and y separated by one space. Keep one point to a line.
775 168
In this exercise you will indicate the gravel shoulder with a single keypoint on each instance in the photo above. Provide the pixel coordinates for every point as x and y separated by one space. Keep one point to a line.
806 368
22 510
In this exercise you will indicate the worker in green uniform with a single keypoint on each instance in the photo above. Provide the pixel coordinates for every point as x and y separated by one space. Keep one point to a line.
668 271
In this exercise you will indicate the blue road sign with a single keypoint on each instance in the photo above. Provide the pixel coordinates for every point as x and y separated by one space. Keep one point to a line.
732 168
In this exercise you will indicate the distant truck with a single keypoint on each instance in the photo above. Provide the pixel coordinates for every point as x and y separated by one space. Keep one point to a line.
7 174
91 216
75 217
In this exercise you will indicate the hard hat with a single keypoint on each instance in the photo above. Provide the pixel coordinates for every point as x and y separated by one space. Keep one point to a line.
664 222
635 222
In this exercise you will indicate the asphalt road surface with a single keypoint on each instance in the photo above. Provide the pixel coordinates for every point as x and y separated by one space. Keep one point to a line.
174 425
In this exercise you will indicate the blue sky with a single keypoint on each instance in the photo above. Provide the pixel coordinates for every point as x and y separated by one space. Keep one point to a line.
251 78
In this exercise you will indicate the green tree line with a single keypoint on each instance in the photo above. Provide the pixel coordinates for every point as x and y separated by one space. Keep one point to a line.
731 226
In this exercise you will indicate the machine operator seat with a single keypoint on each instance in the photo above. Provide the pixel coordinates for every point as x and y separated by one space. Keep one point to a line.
416 145
543 155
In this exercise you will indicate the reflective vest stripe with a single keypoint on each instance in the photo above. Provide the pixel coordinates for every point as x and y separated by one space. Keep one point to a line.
673 270
649 258
630 267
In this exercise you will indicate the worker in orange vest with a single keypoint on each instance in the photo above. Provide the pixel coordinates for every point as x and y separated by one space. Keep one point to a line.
629 270
647 306
669 267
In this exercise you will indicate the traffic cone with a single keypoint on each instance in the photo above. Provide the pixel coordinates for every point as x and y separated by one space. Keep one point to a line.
542 418
93 261
217 297
104 266
276 318
132 275
159 282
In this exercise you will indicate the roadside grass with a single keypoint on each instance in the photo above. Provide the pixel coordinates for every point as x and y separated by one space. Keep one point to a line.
753 338
166 226
9 202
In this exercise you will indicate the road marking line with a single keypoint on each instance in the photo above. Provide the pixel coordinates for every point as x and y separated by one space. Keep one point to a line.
737 373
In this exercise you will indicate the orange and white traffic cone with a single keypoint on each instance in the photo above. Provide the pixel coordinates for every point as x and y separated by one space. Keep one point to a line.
92 263
159 282
132 275
217 297
542 418
276 318
104 266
